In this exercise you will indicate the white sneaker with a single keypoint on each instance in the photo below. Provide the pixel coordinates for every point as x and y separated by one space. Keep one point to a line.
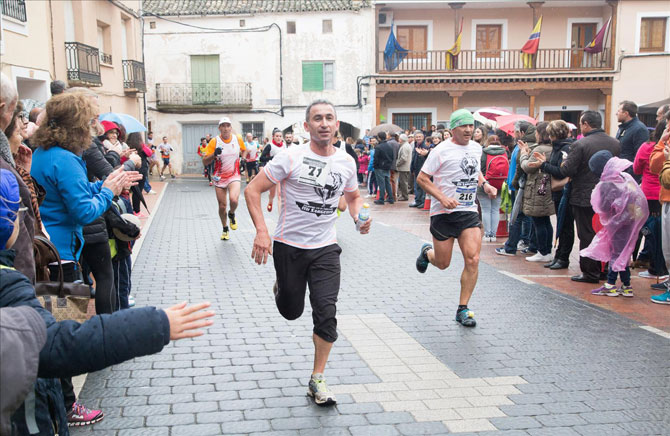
648 275
492 239
152 192
537 257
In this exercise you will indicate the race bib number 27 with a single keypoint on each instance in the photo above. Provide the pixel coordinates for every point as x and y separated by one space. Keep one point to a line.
313 172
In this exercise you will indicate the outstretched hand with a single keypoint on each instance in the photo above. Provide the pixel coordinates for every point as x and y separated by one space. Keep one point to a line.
184 321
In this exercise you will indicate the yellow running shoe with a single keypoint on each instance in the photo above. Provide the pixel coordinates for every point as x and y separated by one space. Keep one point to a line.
233 221
225 235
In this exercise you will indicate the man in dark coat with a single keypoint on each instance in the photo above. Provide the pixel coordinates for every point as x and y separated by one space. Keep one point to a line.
419 156
576 166
382 165
632 133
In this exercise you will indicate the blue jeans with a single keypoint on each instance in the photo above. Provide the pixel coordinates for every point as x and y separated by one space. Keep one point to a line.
612 275
384 183
490 213
545 234
419 194
147 186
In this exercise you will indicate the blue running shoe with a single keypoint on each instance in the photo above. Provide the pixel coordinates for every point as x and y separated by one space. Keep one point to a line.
664 298
422 261
466 318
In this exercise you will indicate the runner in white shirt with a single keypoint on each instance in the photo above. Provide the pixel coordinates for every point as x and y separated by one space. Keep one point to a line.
312 176
224 151
251 156
454 166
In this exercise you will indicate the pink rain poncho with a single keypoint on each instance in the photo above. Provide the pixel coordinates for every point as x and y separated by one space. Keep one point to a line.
622 208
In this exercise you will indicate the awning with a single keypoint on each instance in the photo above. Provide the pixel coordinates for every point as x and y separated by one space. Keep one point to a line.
651 108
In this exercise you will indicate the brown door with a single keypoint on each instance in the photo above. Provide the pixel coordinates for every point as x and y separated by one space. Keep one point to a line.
488 40
582 35
414 38
552 115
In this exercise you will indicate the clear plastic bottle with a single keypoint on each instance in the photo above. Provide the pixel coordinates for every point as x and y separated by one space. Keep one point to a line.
363 216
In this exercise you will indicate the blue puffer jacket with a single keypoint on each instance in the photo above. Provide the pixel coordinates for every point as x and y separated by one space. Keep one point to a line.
72 348
71 201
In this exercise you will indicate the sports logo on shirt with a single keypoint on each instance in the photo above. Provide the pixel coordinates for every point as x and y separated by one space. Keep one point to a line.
326 193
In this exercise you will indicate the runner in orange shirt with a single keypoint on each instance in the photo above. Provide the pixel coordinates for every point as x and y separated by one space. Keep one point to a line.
225 151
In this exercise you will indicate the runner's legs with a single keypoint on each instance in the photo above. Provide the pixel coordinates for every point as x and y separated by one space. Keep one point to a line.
440 254
234 195
221 194
470 243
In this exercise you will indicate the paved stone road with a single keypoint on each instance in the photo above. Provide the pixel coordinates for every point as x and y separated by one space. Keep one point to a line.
571 368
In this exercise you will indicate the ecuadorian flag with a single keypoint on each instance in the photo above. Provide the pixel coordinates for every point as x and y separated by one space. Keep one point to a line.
531 46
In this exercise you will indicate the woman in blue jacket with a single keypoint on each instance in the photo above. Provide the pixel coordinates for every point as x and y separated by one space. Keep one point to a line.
72 348
71 201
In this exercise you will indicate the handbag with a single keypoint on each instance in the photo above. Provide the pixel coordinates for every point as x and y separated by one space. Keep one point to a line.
65 301
559 184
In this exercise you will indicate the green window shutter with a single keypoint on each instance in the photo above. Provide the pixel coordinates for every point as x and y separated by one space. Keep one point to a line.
312 76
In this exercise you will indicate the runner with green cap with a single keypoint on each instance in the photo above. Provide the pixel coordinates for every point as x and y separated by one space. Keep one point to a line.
455 171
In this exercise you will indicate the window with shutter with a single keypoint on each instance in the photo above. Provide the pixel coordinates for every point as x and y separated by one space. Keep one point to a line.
312 76
488 40
652 34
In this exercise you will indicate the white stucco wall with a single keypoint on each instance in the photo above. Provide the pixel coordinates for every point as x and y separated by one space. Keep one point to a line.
254 57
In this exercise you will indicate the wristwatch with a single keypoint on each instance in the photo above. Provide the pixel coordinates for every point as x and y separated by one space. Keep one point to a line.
485 182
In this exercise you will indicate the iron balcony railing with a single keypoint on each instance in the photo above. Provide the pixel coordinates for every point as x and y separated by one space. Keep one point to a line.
133 76
204 94
83 64
547 59
15 9
105 58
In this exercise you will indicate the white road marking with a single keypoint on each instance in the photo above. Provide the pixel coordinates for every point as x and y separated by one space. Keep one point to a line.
655 330
415 381
517 277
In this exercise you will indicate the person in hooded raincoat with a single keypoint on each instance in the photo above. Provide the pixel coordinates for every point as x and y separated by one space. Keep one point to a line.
622 208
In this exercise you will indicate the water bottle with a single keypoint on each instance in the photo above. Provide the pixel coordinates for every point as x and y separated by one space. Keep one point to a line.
363 216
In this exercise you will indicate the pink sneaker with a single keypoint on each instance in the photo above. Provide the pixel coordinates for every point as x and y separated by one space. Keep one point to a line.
80 415
141 215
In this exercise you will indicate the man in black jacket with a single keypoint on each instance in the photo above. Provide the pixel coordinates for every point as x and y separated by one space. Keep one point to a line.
576 166
419 156
382 165
632 133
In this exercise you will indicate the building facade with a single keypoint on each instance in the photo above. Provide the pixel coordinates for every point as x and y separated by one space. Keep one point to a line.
95 43
558 82
260 63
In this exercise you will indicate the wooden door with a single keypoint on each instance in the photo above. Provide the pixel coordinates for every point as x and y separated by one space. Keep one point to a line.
414 38
552 115
205 79
488 40
582 35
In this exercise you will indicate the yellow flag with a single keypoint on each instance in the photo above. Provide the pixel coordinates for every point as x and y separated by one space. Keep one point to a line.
455 50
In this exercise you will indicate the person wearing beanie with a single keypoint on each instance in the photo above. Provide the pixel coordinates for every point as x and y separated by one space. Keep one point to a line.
456 171
622 209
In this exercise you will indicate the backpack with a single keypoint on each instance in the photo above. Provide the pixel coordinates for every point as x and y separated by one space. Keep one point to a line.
497 167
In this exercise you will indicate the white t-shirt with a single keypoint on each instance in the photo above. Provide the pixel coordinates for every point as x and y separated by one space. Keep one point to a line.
311 187
455 170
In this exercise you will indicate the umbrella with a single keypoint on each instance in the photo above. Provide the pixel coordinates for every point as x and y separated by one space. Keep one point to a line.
482 119
506 122
388 128
129 122
491 113
518 201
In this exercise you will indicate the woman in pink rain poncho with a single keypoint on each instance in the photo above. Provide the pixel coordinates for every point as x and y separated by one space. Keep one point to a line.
622 208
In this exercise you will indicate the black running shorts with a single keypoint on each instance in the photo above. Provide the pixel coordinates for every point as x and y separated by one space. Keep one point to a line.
320 269
451 225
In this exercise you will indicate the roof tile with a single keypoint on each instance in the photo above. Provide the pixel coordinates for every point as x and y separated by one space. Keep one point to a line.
237 7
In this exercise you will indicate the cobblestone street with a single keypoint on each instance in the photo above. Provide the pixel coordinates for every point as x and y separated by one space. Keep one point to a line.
539 362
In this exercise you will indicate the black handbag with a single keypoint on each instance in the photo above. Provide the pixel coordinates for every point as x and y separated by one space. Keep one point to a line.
65 301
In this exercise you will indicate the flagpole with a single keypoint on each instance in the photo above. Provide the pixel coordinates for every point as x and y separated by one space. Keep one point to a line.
607 33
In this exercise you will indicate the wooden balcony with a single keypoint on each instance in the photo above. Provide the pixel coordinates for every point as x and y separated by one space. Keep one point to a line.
546 59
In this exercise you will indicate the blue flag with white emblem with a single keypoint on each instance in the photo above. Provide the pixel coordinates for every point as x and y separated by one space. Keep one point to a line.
393 53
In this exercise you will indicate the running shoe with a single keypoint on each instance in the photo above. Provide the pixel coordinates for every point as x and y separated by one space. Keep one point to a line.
538 257
606 289
521 245
626 291
648 275
664 298
79 416
233 221
661 286
501 251
151 192
131 301
318 389
225 235
422 261
466 318
162 178
173 176
527 250
269 207
210 183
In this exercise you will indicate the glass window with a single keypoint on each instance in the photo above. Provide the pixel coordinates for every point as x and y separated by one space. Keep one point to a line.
488 40
290 27
327 26
253 127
